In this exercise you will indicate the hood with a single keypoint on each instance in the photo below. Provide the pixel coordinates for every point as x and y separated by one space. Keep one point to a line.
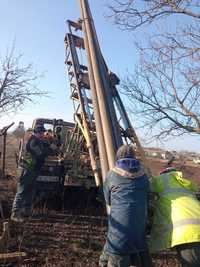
128 164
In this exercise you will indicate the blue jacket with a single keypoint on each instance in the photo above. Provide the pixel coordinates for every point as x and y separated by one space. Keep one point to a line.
126 193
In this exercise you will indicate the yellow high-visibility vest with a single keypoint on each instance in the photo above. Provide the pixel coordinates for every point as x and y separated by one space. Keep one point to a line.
27 161
176 212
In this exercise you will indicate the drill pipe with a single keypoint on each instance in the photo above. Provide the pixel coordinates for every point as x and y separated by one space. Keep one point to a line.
107 88
106 82
98 124
104 100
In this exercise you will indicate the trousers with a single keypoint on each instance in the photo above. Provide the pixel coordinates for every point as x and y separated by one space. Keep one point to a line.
25 192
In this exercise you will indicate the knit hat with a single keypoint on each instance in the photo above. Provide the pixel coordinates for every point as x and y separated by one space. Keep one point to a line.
125 151
39 128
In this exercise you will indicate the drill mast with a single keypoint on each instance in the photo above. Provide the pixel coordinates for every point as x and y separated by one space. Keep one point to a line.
99 113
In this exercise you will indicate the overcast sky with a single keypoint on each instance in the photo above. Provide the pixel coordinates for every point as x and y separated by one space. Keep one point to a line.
38 27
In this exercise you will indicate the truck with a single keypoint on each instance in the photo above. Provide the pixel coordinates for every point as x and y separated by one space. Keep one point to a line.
70 168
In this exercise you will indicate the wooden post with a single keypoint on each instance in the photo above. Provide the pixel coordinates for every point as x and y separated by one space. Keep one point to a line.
4 154
3 132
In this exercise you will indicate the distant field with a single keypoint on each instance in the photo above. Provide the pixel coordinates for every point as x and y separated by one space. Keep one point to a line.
190 170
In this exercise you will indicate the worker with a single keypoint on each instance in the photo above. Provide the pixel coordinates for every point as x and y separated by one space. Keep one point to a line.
58 130
31 163
125 190
176 220
49 136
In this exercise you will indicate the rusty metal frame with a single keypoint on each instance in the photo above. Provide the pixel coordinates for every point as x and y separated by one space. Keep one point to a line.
104 108
78 86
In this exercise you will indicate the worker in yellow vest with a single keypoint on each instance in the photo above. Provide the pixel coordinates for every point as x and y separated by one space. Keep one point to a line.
176 220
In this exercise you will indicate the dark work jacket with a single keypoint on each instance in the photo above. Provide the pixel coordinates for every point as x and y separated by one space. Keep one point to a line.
126 193
39 150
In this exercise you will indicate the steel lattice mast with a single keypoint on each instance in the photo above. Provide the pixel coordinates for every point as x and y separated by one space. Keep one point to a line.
99 111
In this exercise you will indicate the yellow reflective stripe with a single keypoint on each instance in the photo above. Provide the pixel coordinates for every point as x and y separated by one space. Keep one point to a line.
165 179
168 189
175 190
180 223
186 221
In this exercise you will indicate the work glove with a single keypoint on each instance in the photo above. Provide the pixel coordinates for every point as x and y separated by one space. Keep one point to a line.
55 150
53 147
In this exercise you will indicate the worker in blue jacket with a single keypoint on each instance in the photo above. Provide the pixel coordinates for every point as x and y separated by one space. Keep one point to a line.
126 190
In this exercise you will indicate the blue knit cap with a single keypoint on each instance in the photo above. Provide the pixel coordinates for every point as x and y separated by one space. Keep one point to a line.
126 159
39 128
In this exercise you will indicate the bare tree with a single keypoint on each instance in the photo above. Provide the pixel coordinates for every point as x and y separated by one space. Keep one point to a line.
17 83
165 89
132 14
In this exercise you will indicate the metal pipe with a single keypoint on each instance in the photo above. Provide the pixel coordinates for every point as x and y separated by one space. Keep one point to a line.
106 121
107 88
98 124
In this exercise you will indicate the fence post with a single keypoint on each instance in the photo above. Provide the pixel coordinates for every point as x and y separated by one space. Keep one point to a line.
3 132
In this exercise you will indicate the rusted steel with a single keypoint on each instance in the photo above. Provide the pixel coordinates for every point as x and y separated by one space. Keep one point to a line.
71 43
107 86
98 123
104 101
106 82
78 41
76 25
99 111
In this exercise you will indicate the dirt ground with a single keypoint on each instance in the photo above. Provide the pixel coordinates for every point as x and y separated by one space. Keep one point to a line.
190 170
72 236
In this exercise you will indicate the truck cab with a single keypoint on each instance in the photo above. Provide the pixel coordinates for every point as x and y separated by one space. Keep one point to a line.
52 175
70 167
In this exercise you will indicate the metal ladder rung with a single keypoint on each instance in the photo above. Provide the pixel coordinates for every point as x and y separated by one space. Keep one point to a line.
74 96
73 85
67 56
84 85
78 41
83 67
71 73
69 63
69 68
76 25
71 78
84 80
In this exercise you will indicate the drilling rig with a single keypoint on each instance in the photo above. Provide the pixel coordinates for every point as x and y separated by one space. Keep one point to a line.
101 124
99 114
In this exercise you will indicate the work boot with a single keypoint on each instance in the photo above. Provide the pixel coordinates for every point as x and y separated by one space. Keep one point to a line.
17 218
